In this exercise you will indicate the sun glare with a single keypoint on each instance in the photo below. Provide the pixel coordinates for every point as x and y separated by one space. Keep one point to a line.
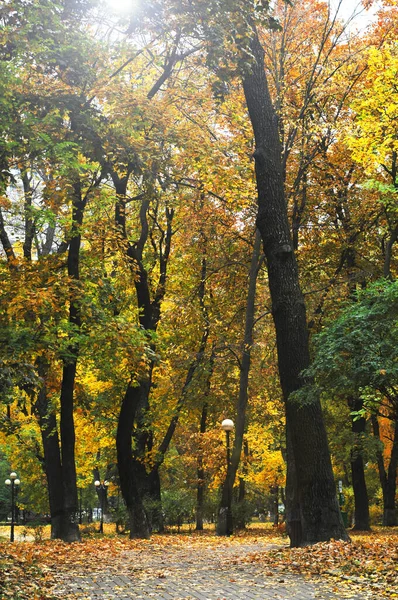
122 6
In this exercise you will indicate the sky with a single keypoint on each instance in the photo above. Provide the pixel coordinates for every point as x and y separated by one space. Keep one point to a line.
349 7
122 6
346 10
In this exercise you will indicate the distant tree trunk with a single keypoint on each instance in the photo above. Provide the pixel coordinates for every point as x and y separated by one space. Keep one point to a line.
154 493
153 487
275 493
102 492
6 243
227 488
241 520
200 494
361 512
42 408
29 222
197 361
388 250
388 479
283 498
314 496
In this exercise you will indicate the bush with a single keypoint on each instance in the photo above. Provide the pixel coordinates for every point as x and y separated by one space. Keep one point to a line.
242 513
178 508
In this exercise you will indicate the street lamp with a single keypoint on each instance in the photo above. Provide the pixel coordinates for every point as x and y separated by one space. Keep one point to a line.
228 425
102 489
13 481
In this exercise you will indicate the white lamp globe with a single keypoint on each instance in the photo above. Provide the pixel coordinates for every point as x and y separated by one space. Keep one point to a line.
227 425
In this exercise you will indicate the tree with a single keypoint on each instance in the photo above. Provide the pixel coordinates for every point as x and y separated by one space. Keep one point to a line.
373 139
356 356
223 525
233 46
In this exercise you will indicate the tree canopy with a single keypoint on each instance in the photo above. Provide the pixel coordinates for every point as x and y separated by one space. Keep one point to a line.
138 155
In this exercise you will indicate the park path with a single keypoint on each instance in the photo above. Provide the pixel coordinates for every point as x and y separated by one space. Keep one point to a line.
189 572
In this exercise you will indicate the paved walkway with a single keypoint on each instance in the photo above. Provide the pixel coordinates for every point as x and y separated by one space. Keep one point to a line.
209 574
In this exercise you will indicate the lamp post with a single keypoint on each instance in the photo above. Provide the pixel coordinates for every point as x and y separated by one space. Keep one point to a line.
102 490
228 425
13 481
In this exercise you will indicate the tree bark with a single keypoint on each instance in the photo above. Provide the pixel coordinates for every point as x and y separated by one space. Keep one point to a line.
52 456
135 402
29 222
227 488
200 493
241 519
67 427
139 524
315 500
5 242
361 512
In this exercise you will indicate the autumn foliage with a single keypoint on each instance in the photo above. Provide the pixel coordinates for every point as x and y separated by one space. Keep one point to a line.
129 179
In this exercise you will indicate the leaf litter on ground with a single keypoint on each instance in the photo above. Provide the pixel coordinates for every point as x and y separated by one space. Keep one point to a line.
369 564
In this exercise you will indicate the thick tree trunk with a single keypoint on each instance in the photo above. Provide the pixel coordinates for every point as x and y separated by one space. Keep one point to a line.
315 500
52 457
361 512
227 488
70 525
129 484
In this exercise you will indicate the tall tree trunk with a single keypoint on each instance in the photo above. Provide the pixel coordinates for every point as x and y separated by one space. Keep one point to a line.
388 479
67 427
52 456
153 479
139 524
134 479
361 511
314 491
227 488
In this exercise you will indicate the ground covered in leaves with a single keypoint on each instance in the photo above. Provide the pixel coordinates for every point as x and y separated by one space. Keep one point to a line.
369 562
31 570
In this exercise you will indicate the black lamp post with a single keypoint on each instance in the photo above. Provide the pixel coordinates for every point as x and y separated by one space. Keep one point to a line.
228 425
102 491
13 481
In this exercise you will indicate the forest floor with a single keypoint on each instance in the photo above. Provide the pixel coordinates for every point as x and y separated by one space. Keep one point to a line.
256 564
